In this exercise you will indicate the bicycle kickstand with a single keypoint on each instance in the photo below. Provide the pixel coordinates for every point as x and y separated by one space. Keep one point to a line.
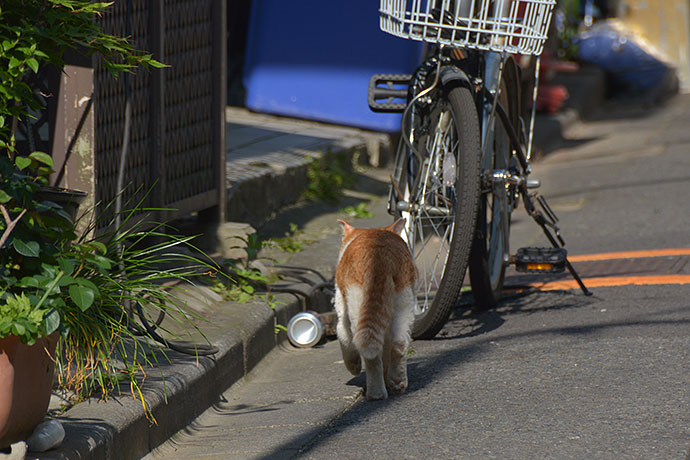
547 220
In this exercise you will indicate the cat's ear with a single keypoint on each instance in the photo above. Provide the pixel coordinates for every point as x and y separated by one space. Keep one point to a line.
397 227
347 228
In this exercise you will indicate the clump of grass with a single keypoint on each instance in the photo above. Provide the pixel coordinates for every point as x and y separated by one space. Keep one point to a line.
292 242
104 345
328 176
358 212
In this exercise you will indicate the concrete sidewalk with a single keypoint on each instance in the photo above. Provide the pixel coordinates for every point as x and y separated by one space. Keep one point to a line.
267 157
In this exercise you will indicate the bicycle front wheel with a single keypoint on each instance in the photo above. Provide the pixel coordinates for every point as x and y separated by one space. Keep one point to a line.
440 218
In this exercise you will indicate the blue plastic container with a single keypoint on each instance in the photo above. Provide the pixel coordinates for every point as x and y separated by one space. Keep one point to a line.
313 59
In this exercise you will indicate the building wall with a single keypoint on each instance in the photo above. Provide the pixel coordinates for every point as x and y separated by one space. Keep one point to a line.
665 24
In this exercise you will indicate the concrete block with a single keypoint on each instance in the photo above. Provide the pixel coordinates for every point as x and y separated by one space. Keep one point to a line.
231 239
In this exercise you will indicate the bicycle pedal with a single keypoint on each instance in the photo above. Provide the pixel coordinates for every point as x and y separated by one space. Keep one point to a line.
540 260
388 92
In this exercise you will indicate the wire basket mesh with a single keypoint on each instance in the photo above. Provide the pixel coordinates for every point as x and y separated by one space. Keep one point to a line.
514 26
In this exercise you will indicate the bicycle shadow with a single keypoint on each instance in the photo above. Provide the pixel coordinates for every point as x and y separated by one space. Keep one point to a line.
467 322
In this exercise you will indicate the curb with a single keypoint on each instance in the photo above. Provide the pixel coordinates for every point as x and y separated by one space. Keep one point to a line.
119 429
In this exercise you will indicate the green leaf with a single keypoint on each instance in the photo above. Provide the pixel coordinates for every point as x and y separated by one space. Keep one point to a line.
89 285
44 171
30 249
42 158
66 265
156 64
46 205
49 270
66 280
102 262
99 246
18 329
51 321
82 296
22 162
29 281
63 214
4 197
33 63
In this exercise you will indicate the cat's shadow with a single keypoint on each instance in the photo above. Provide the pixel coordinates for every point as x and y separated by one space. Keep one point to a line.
463 322
358 381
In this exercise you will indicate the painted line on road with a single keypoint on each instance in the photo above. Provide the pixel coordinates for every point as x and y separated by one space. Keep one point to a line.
630 255
613 281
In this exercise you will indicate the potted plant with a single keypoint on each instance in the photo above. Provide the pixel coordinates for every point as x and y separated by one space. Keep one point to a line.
32 233
54 282
57 284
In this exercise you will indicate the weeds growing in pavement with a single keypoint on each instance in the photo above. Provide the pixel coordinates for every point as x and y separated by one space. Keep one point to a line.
328 176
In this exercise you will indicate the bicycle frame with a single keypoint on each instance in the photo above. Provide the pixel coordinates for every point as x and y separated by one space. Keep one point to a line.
463 161
482 72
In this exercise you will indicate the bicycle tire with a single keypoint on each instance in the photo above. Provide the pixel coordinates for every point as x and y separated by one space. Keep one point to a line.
490 246
434 188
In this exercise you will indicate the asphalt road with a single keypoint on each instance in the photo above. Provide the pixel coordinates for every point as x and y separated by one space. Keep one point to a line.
549 374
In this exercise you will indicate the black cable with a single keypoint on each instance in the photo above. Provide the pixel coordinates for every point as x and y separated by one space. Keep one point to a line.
306 269
182 347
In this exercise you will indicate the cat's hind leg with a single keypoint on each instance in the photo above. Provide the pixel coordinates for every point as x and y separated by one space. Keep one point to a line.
376 389
353 361
372 347
372 319
396 378
351 358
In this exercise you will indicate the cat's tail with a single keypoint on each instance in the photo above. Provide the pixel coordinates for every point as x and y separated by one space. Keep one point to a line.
374 319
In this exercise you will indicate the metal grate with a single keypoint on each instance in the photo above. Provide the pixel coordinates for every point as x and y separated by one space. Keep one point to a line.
188 117
174 147
110 115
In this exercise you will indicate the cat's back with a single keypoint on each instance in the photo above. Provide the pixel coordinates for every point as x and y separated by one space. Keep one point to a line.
372 254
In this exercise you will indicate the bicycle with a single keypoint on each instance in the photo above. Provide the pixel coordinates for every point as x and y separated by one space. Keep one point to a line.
463 161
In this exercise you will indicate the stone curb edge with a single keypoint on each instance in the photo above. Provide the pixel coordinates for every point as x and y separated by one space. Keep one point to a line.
119 428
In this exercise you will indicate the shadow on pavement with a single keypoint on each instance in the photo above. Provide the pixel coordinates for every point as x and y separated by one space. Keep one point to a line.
463 325
305 211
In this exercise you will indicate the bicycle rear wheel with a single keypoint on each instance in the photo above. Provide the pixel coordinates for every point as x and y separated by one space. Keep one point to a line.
490 248
442 191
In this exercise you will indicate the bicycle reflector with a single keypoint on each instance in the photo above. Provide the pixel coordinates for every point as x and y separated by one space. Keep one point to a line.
541 260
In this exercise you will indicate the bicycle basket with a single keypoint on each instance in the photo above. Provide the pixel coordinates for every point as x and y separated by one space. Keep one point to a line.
515 26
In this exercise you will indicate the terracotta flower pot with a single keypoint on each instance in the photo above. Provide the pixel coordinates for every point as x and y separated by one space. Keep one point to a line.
26 381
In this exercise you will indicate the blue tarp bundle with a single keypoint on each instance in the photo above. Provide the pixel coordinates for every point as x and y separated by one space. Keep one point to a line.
629 61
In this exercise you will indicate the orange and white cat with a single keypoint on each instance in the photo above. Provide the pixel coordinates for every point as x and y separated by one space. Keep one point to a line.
374 300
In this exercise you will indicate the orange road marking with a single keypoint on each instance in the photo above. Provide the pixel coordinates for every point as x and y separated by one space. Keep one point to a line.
613 281
630 254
